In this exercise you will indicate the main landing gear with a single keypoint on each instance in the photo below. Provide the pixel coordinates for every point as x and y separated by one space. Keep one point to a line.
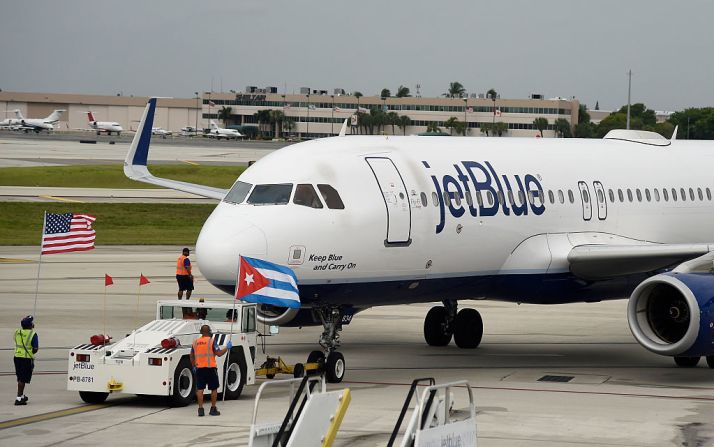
691 362
443 322
333 361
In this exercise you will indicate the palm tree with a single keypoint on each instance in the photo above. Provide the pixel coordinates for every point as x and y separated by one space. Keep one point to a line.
432 127
379 119
486 128
392 119
491 94
262 117
288 124
225 115
451 123
357 95
364 121
277 117
541 124
500 128
562 127
403 92
385 93
456 90
403 123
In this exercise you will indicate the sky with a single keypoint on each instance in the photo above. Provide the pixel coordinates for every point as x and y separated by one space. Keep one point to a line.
173 48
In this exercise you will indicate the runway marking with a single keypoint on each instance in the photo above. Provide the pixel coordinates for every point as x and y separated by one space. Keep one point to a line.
52 415
12 260
591 393
190 162
61 199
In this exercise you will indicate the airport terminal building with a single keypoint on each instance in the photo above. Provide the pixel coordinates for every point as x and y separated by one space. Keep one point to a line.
315 113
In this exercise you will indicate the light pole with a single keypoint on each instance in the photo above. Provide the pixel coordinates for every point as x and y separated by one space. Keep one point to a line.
466 123
198 110
332 121
629 89
307 131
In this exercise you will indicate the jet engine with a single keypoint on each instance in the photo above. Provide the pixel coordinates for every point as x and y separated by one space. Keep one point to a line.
673 314
287 317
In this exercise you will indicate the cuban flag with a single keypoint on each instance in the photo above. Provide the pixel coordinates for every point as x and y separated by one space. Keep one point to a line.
263 282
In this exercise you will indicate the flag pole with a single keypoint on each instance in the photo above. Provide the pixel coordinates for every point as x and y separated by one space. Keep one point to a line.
39 265
133 342
104 310
234 316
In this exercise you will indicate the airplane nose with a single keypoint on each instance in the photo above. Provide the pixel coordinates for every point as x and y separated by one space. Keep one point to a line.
225 236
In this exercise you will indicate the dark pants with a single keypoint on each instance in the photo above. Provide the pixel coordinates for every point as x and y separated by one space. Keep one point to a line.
23 369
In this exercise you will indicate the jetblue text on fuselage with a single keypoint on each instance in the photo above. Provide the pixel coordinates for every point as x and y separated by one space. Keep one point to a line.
472 177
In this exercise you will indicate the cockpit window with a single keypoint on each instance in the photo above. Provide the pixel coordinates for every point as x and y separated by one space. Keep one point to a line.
305 195
238 192
331 197
270 194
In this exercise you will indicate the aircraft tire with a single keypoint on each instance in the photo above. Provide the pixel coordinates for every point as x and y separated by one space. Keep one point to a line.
468 329
435 332
687 362
710 361
335 367
92 397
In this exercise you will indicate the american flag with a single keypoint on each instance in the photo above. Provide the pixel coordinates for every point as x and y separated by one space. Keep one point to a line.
67 232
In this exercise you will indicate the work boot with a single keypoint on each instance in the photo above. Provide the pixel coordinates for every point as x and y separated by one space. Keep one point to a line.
200 412
214 412
25 398
20 402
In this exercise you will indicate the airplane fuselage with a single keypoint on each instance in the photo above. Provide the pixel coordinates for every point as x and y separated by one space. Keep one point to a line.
432 218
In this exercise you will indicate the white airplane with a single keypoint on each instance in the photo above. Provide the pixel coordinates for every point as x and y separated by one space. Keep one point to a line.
381 220
103 126
220 132
160 131
32 124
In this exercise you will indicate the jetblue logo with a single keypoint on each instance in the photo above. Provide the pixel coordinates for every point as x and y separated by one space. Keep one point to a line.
472 176
82 366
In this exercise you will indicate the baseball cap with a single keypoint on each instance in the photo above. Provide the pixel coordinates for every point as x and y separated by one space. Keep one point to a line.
27 322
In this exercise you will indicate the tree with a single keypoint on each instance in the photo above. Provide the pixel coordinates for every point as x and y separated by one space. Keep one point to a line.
277 117
694 123
379 119
451 123
584 128
491 94
486 128
262 117
500 128
403 92
404 122
225 115
562 128
392 118
432 127
541 124
288 124
357 95
385 93
456 90
641 118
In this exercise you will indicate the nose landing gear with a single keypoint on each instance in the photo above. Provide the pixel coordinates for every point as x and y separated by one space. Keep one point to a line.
444 322
334 362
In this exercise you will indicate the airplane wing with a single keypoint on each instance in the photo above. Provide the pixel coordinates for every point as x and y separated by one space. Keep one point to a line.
135 164
599 262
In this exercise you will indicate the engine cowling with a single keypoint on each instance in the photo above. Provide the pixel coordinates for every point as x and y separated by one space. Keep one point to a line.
673 314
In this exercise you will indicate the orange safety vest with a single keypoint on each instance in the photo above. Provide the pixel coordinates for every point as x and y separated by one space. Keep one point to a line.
180 268
203 352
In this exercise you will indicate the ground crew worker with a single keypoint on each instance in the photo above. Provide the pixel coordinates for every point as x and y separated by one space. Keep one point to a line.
203 358
26 346
184 277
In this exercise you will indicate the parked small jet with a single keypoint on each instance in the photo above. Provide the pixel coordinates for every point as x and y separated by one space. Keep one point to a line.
32 124
220 132
103 126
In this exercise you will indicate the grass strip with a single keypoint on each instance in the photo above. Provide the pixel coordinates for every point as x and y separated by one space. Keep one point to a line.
117 223
112 176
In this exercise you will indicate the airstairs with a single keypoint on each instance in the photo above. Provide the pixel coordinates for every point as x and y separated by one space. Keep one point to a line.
433 420
313 417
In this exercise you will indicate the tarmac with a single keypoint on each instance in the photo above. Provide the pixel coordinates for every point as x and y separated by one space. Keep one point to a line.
616 394
619 394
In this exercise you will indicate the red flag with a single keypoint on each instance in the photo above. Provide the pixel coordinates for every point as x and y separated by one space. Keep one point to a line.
108 281
249 280
143 280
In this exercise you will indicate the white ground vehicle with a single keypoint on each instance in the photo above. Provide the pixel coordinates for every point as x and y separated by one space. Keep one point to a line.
154 359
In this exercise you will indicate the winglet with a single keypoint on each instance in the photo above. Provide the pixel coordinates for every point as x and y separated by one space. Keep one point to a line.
674 134
343 130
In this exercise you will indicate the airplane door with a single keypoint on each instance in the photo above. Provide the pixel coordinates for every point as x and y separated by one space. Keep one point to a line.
586 199
396 200
601 200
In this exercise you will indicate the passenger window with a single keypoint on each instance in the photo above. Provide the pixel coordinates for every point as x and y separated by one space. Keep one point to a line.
571 197
521 198
656 194
238 192
611 193
447 198
305 195
510 198
435 198
469 199
620 195
331 197
270 194
424 201
501 199
665 194
699 193
709 194
691 194
457 198
683 194
674 194
647 195
551 197
629 194
600 197
479 199
639 195
561 197
490 197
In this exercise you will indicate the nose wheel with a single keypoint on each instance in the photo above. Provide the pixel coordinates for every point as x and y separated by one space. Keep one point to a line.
334 362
